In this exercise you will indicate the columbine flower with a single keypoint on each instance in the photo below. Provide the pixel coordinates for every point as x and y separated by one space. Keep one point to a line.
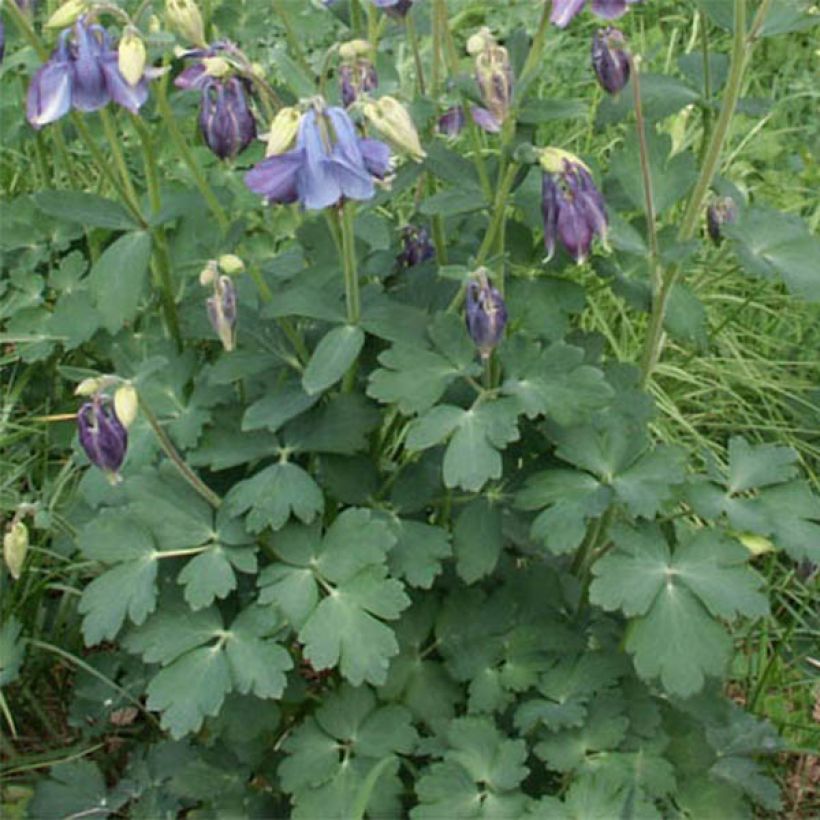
329 162
416 246
451 122
564 10
721 211
572 207
355 78
82 73
610 60
102 436
395 8
486 314
226 122
493 74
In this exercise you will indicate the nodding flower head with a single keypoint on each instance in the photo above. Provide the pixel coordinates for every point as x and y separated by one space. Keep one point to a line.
83 73
395 8
416 246
328 163
721 211
355 78
486 314
572 207
225 120
102 435
610 60
493 74
564 10
451 122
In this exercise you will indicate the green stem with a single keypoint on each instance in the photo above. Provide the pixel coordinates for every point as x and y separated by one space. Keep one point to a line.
110 130
691 217
293 40
707 82
437 223
356 22
168 447
438 45
162 260
450 53
412 36
537 47
187 157
351 273
478 148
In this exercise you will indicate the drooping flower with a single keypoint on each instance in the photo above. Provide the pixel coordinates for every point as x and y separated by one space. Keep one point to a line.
451 122
572 207
328 163
563 11
721 211
225 120
49 93
610 60
416 246
485 314
102 435
355 78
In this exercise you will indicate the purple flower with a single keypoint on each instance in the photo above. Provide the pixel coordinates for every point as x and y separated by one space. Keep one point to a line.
451 122
89 91
102 435
721 211
226 122
486 314
395 8
564 10
49 93
356 78
572 207
328 163
416 246
610 60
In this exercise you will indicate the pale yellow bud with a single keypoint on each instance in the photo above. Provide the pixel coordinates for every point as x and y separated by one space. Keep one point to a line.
216 66
88 387
231 264
67 14
283 131
131 56
392 119
208 274
154 24
354 48
479 41
15 547
126 404
552 160
184 18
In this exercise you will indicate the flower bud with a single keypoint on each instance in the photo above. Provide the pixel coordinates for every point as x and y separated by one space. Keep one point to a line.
417 247
208 274
131 56
355 48
486 314
103 436
356 78
721 211
495 78
126 404
184 18
154 24
390 117
216 66
15 547
477 42
222 311
610 60
283 131
226 122
89 387
67 14
231 264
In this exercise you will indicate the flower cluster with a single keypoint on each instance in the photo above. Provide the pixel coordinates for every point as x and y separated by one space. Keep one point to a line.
82 73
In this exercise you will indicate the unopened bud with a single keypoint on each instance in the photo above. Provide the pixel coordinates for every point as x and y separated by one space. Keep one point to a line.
131 56
184 17
283 131
354 48
720 212
208 274
610 60
390 117
67 14
222 311
154 24
231 264
15 547
486 314
216 66
495 79
126 404
88 387
479 41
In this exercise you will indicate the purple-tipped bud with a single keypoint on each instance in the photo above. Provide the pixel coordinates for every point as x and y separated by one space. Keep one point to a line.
49 93
395 8
486 314
495 79
416 246
610 60
102 435
355 79
222 311
719 212
226 122
89 89
572 207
